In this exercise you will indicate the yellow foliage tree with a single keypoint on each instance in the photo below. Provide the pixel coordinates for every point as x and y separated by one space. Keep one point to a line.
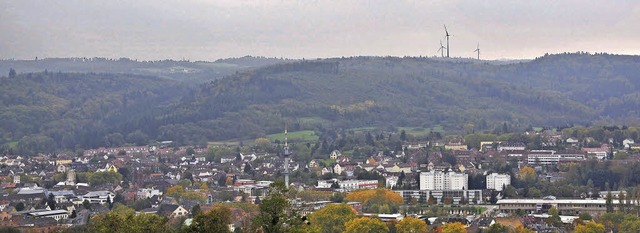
332 218
590 227
377 200
527 174
454 227
204 186
521 229
263 144
368 225
175 191
411 225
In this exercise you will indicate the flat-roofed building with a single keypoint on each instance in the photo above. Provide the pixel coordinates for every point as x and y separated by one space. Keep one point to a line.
565 206
439 180
55 214
498 181
473 196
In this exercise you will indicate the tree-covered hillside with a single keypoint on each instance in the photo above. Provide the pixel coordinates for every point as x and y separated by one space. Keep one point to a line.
51 111
554 90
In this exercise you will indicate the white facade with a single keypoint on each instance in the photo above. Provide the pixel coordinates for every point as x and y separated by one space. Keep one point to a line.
350 185
55 214
438 180
543 157
99 197
148 193
498 181
511 147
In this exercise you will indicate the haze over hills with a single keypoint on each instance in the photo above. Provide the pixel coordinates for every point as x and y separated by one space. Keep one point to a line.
185 71
553 90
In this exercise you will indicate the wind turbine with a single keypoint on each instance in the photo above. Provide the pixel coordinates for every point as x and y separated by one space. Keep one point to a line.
441 49
447 36
478 50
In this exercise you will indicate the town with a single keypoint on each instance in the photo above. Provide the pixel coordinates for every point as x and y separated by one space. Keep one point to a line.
542 179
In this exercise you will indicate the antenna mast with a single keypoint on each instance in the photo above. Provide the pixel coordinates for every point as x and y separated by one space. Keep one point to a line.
286 158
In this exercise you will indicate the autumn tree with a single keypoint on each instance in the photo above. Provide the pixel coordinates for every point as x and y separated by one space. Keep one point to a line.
432 200
263 144
123 219
590 227
411 225
364 224
527 174
612 221
332 218
382 201
521 229
497 228
455 227
629 226
216 220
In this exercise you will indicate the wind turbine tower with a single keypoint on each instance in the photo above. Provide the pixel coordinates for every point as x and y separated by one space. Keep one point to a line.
478 50
441 49
286 159
447 35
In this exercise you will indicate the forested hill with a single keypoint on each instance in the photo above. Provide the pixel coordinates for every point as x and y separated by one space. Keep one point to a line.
45 112
553 90
185 71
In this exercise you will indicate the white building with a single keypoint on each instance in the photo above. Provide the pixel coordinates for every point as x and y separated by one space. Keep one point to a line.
511 147
350 185
498 181
99 197
148 193
439 180
55 214
628 142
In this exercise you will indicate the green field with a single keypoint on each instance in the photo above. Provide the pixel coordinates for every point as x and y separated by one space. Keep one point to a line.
298 136
421 132
415 131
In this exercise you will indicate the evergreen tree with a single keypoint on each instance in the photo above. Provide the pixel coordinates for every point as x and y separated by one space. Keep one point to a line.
51 202
609 202
12 73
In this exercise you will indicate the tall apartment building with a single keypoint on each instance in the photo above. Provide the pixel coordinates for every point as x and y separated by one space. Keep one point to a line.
498 181
439 180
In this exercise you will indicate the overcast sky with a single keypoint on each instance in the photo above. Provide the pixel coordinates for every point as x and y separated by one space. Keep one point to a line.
208 29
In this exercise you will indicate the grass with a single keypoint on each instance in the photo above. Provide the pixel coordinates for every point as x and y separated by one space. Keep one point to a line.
298 136
415 131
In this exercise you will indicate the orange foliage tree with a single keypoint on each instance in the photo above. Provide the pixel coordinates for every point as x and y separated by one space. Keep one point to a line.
381 201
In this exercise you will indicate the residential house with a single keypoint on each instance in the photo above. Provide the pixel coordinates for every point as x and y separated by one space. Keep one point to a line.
108 168
337 169
172 211
627 142
455 144
314 163
572 141
335 154
597 152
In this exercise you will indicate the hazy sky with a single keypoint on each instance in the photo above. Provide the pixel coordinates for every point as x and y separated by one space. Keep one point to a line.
208 30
